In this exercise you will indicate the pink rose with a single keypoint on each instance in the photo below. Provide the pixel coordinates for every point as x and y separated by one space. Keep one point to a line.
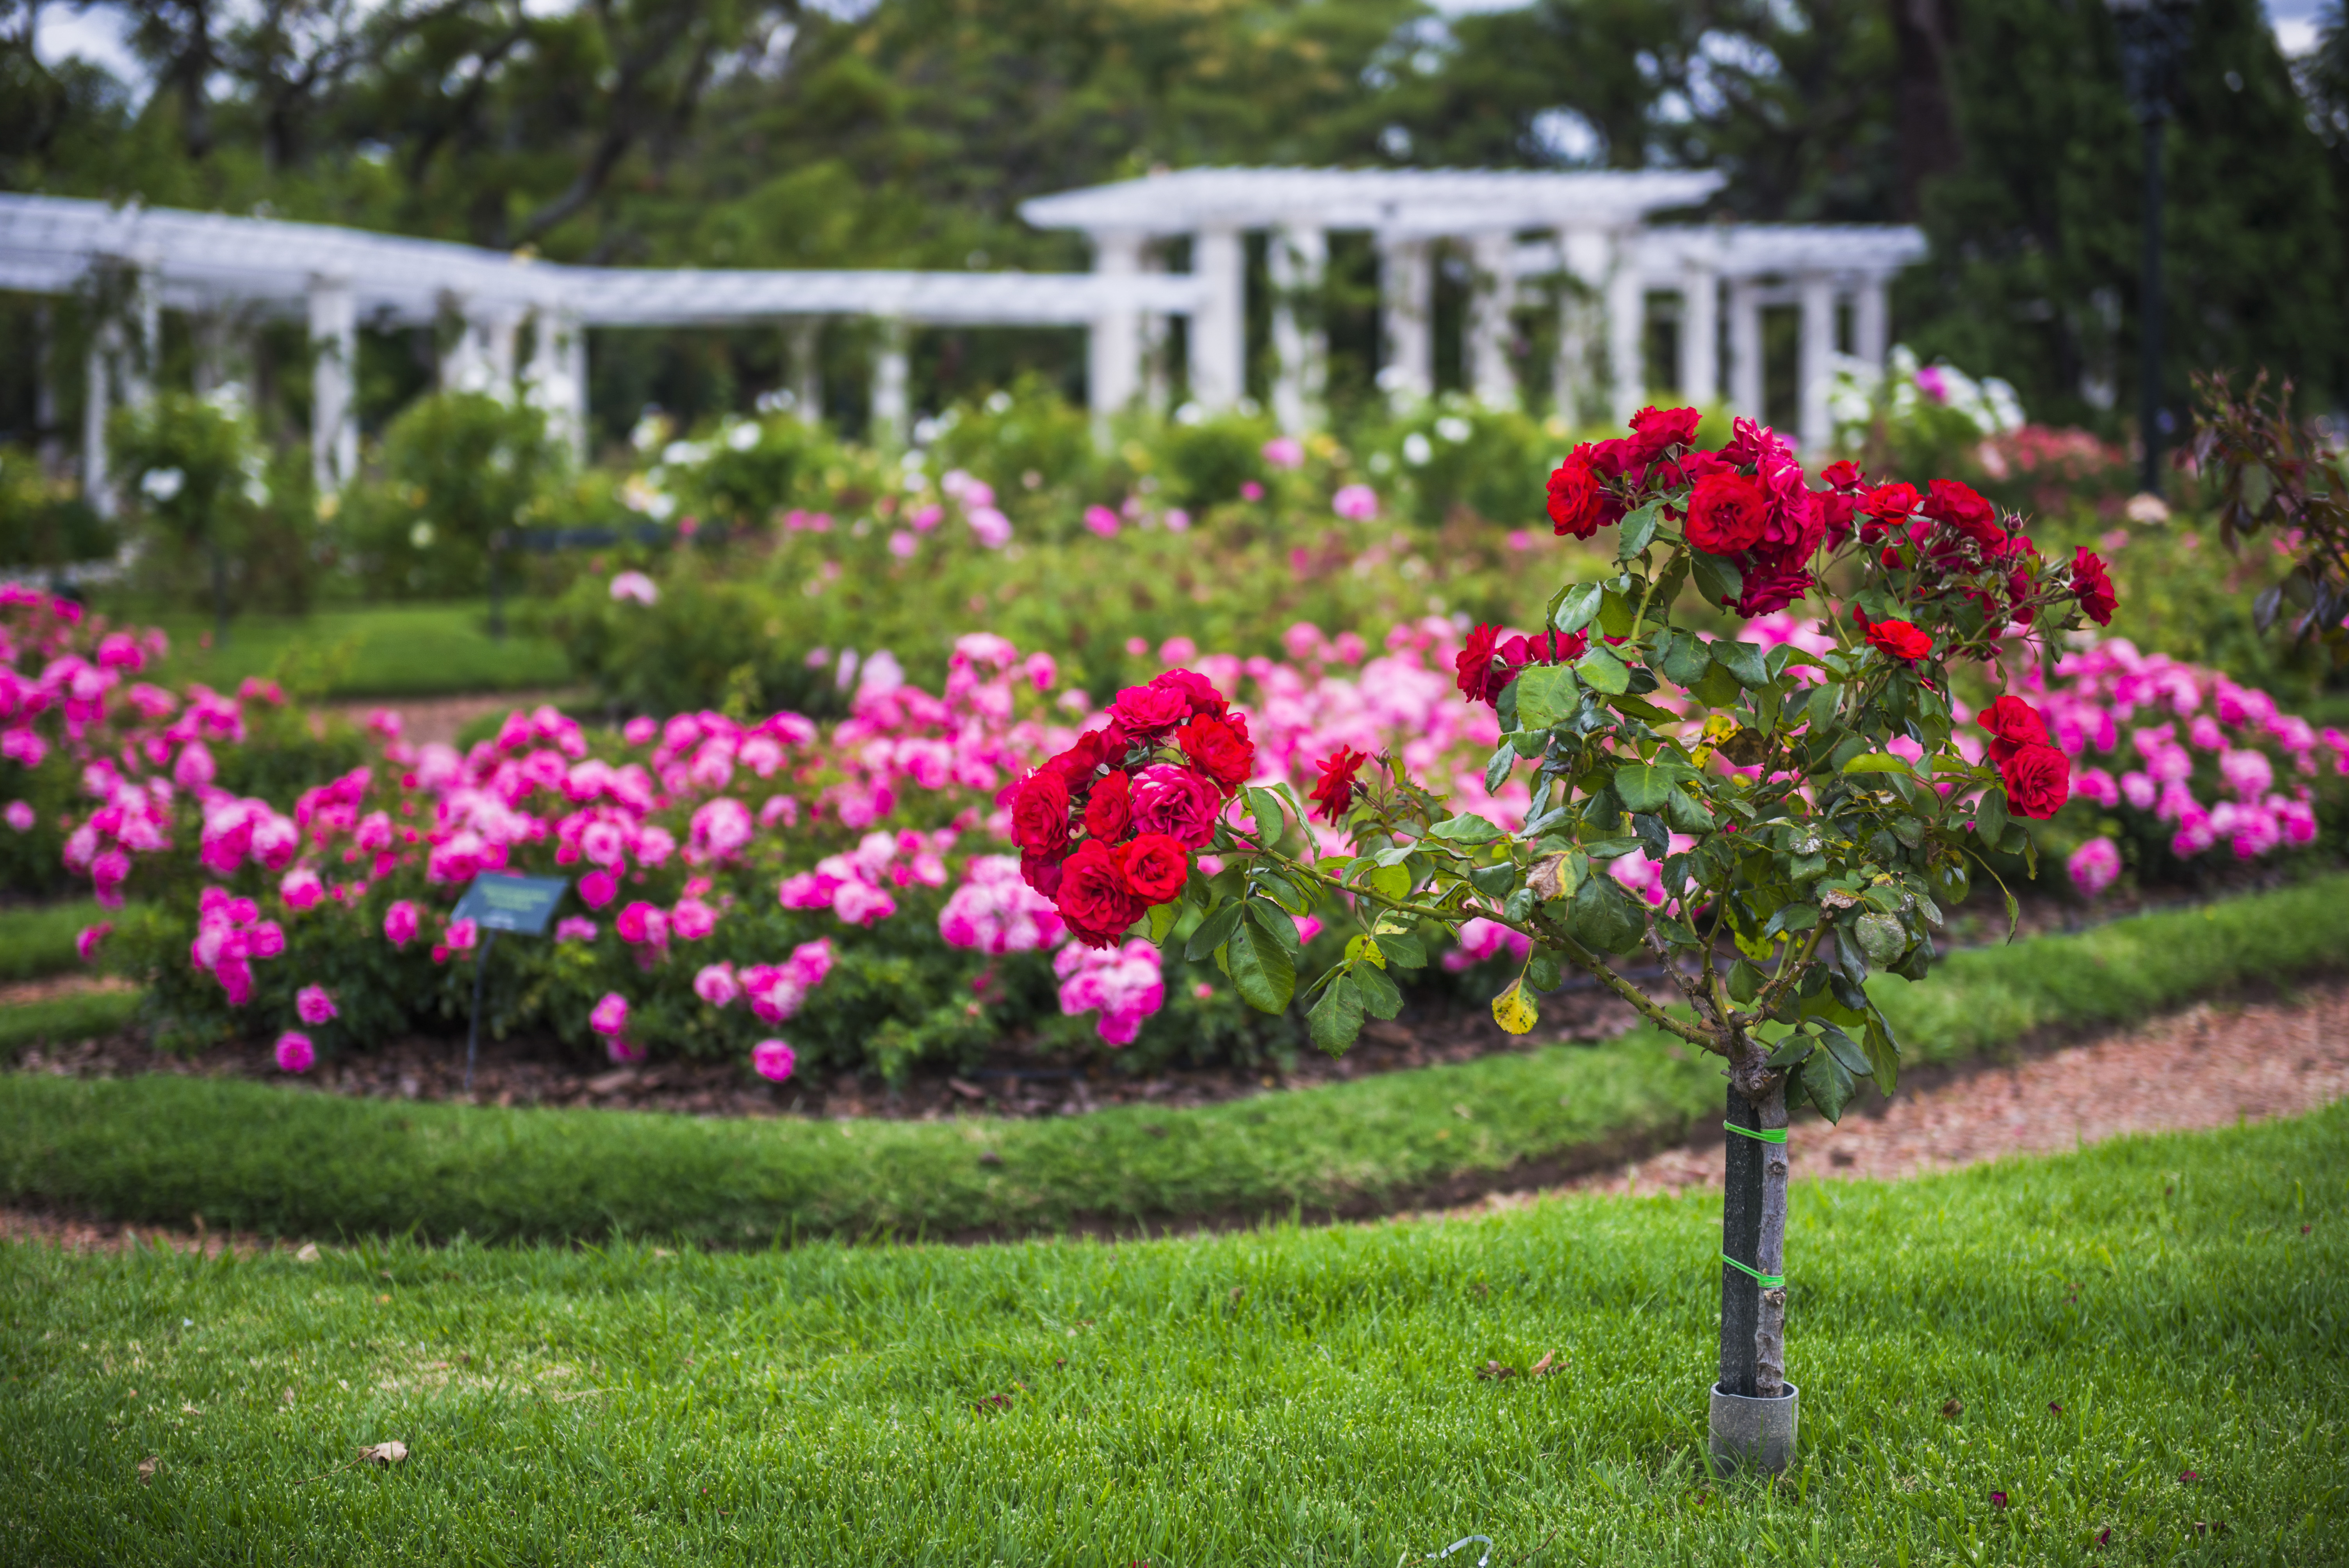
1174 801
314 1006
692 920
597 888
773 1061
86 941
301 889
399 923
611 1013
715 985
294 1052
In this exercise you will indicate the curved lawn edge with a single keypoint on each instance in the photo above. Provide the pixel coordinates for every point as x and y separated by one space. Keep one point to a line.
263 1158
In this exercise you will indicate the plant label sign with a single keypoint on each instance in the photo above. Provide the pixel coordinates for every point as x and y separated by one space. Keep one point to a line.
524 905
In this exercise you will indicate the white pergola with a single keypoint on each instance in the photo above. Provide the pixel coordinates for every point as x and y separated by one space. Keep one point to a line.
1590 230
1522 232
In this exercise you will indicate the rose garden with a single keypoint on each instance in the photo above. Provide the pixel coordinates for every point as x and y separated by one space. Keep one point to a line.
1437 962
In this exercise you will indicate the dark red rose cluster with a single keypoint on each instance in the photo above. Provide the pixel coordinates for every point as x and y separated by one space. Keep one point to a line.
1489 662
1106 829
1601 480
2037 776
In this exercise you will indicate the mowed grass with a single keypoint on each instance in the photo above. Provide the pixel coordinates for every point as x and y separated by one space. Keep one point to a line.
2076 1334
37 940
396 650
287 1161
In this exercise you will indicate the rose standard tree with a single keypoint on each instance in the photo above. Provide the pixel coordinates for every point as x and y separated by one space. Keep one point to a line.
1810 812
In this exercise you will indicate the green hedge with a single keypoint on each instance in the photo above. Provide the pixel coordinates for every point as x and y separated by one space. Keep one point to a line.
264 1158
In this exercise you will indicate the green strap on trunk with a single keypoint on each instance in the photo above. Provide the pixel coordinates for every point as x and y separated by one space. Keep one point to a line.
1769 1282
1768 1135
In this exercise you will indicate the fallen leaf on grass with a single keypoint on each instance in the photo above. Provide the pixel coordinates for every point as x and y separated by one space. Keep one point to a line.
390 1453
1549 1364
1493 1371
147 1470
1952 1409
309 1254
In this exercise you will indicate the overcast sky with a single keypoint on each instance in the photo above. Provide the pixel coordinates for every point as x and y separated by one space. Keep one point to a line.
97 36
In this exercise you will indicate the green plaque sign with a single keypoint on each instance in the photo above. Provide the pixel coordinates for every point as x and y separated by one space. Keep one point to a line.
524 905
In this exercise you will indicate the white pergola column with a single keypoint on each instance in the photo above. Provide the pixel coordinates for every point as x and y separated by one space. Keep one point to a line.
804 337
44 389
1406 289
1114 345
892 408
1700 336
146 349
501 343
334 384
1219 324
1296 260
1872 320
556 381
464 361
1817 296
222 365
1496 294
1627 330
99 366
1583 257
1745 347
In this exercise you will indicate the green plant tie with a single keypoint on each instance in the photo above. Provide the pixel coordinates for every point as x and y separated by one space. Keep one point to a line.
1769 1282
1767 1135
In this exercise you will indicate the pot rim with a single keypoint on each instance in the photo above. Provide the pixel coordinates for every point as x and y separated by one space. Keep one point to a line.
1792 1392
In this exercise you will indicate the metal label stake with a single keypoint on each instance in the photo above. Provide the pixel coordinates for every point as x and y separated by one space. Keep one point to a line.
497 903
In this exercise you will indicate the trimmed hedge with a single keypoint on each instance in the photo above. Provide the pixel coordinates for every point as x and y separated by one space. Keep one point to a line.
281 1161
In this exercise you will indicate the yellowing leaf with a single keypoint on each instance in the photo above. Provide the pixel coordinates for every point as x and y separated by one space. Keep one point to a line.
1514 1010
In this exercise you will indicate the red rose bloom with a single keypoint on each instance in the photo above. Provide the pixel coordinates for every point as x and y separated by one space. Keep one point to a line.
1076 764
1541 648
1155 867
1042 871
1110 808
1197 690
1962 508
1655 430
1727 514
2094 585
1040 812
1835 515
1334 795
1177 802
1093 897
1220 748
1475 678
1891 503
1898 638
1151 710
2038 781
1578 504
2013 724
1771 587
1842 475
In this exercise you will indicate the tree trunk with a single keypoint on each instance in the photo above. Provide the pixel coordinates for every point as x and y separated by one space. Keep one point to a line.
1741 1237
1770 1253
1924 34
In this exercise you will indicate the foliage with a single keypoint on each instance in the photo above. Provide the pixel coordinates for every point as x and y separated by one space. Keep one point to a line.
223 520
44 521
2275 474
154 1148
456 469
1303 1394
38 941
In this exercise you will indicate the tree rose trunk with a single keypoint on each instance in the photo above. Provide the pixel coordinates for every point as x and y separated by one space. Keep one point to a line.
1741 1237
1770 1253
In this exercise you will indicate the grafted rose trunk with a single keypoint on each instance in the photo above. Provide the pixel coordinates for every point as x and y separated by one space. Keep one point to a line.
1753 1230
1770 1255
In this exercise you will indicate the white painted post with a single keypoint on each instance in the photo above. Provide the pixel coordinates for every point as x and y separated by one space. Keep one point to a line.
1745 347
1582 255
501 331
1496 294
1296 260
463 368
1816 292
1700 338
1627 330
334 384
556 382
146 353
1114 345
891 407
1406 284
1872 320
97 403
1219 324
45 389
806 338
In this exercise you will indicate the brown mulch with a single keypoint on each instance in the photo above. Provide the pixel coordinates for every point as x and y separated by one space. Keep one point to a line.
2211 1064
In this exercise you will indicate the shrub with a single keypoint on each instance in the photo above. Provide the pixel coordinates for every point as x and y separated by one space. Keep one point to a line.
222 520
455 468
44 521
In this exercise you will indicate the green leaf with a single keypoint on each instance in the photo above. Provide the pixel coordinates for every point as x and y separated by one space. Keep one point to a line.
1470 828
1846 1050
1792 917
1336 1019
1504 759
1829 1084
1989 819
1744 661
1878 762
1791 1052
1162 920
1609 848
1687 814
1504 707
1261 968
1601 671
1391 882
1546 693
1213 932
1717 579
1493 881
1265 807
1717 687
1883 1053
1638 530
1744 982
1686 660
1615 612
1277 923
1404 949
1642 787
1819 708
1542 971
1576 606
1601 916
1380 998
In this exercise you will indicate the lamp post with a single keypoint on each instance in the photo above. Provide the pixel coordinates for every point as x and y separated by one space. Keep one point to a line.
2153 34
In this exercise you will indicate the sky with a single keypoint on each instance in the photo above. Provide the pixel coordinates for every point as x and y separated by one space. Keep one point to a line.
97 35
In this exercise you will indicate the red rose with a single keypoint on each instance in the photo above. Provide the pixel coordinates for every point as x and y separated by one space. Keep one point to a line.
1835 516
1334 795
1727 514
1842 475
1578 504
1076 764
1543 648
2038 781
1177 802
1110 808
1771 587
1887 504
1958 506
1093 897
1042 871
1197 690
2094 586
1474 667
1656 429
2013 724
1898 638
1151 710
1219 749
1155 867
1040 812
1613 459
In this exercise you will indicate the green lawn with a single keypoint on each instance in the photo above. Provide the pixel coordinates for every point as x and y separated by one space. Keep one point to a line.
398 650
37 940
290 1161
1274 1397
